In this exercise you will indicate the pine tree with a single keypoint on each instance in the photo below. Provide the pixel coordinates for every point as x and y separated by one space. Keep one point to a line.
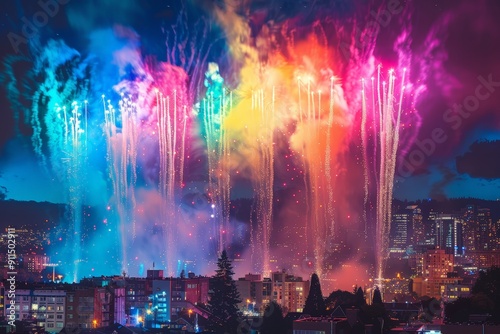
377 297
360 297
315 303
224 297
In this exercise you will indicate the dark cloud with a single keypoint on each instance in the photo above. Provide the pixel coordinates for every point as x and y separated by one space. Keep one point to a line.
88 15
448 40
482 160
3 193
437 191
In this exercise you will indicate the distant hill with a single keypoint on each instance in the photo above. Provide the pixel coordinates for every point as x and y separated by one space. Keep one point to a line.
36 214
39 214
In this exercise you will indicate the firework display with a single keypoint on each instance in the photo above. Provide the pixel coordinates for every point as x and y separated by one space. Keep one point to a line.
295 116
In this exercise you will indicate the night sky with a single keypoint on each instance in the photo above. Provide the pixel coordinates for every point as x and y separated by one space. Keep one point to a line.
457 42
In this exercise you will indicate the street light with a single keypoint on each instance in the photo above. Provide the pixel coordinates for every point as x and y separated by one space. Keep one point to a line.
53 265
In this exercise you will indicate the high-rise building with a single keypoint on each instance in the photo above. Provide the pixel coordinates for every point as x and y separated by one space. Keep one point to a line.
400 231
289 291
485 234
437 264
160 303
417 235
251 290
437 274
430 229
469 228
448 229
407 229
480 233
416 263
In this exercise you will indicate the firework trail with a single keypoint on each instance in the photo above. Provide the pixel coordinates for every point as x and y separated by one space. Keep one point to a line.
280 88
388 103
172 123
216 105
122 162
56 115
263 109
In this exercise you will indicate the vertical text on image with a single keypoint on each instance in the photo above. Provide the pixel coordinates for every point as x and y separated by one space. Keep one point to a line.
11 273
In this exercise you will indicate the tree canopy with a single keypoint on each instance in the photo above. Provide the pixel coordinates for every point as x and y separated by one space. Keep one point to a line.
273 321
224 297
377 297
315 303
359 297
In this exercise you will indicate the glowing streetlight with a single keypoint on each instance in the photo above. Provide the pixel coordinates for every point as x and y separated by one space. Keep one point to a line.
53 265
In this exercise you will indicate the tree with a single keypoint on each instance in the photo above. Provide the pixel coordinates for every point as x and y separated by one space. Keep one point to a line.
224 297
458 311
315 304
359 297
377 297
488 283
273 321
339 297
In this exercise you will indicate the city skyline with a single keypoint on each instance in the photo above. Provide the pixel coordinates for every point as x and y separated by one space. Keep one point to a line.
415 228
